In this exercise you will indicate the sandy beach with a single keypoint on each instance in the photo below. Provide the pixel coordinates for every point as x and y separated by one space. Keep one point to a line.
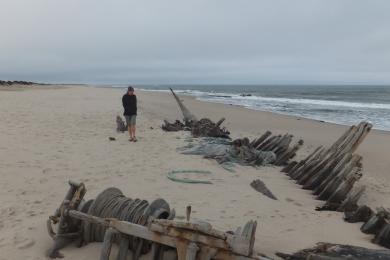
54 134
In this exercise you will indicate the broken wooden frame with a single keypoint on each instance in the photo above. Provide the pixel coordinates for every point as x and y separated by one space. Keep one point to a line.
192 240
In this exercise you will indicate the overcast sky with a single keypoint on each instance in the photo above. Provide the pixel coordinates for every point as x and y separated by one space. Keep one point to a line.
196 41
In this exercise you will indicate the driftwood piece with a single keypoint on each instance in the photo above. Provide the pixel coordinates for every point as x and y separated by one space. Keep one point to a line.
327 251
260 187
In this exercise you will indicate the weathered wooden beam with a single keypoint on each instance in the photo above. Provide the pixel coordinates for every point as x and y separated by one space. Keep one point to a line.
266 142
258 141
301 169
350 130
188 116
283 158
345 187
350 203
260 187
338 169
332 185
271 142
322 174
302 162
290 166
168 235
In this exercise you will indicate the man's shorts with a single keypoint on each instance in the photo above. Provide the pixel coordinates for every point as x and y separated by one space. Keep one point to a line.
131 120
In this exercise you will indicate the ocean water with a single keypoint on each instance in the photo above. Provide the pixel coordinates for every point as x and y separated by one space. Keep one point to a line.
337 104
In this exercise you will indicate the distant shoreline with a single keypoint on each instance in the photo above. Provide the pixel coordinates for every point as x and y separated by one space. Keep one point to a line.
258 110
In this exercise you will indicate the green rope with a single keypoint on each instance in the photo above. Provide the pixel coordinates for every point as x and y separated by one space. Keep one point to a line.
172 176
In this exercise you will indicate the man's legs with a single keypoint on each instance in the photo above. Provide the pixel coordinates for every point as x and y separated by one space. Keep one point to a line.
129 128
133 132
133 123
128 122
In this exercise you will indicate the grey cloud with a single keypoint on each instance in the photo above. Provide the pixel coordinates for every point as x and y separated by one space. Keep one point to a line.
197 41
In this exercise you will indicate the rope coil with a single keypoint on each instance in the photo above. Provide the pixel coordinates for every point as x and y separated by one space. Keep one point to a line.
111 203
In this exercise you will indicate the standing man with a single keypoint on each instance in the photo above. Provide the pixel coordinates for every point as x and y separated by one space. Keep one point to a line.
129 102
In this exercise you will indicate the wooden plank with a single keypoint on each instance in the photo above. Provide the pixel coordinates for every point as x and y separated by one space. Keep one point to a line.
343 137
199 226
334 182
334 172
266 142
363 136
298 171
326 171
302 162
289 153
345 187
286 169
272 141
261 139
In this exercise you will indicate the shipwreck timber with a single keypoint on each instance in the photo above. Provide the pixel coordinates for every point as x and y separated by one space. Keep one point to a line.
327 251
140 228
332 173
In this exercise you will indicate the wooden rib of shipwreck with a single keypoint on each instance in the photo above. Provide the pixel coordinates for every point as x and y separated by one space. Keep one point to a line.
279 144
189 240
332 173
